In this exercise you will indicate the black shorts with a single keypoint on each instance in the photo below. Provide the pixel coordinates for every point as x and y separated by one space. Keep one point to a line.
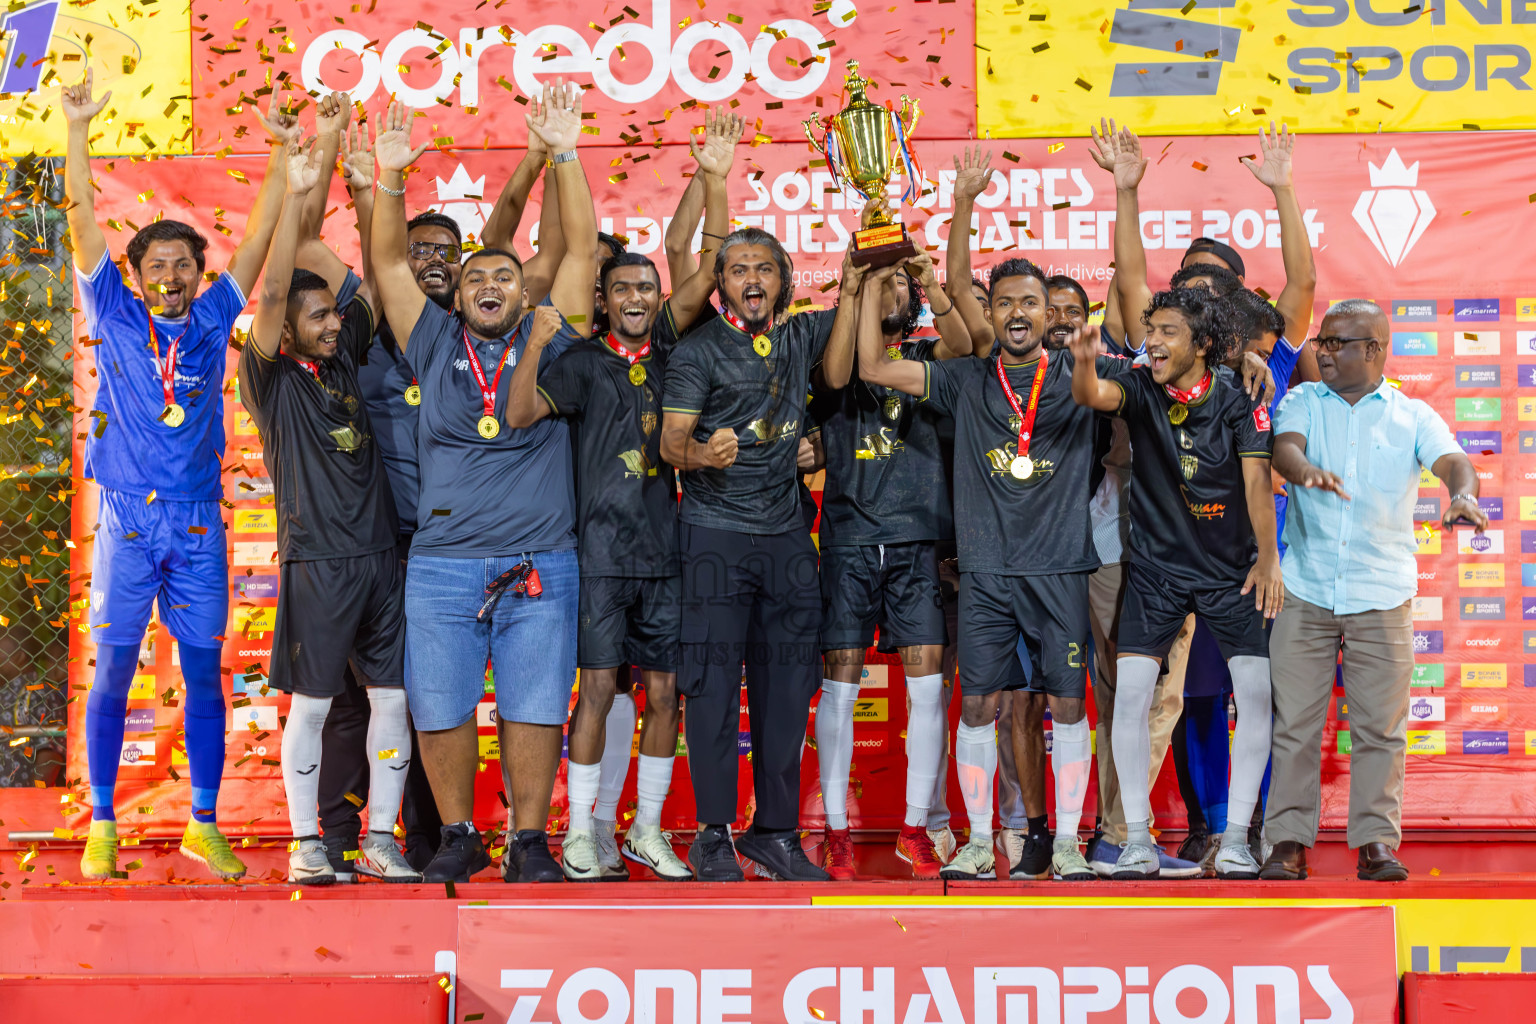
1051 612
339 610
895 585
628 620
1156 606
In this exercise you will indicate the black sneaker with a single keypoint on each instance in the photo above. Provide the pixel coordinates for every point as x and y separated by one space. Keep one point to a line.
1036 859
419 850
337 847
1193 846
712 856
780 855
459 855
528 859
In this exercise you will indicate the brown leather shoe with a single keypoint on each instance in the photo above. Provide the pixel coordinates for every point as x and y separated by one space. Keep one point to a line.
1379 864
1287 862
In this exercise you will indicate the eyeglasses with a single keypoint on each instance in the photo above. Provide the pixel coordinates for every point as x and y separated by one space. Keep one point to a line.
1332 345
426 250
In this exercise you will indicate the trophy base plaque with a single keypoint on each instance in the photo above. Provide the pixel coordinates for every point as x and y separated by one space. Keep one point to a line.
882 246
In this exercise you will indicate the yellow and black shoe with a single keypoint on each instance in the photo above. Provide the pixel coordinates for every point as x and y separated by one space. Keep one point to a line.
99 862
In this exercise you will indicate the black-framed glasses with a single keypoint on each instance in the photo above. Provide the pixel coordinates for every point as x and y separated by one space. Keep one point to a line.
426 250
1332 345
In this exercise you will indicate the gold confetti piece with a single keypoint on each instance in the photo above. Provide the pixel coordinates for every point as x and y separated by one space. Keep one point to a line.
1434 871
1056 147
1081 84
898 923
295 896
1010 157
350 854
1197 165
355 800
1032 49
1471 127
134 865
63 833
474 1016
818 1014
386 755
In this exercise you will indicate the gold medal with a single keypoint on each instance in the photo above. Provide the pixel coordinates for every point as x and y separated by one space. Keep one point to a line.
490 426
413 395
893 352
174 415
636 374
1022 467
762 346
1178 412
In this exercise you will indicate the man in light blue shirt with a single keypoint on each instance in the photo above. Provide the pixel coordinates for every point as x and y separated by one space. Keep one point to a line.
1351 446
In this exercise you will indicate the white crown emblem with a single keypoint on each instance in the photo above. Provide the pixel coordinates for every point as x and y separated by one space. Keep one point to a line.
460 186
1394 213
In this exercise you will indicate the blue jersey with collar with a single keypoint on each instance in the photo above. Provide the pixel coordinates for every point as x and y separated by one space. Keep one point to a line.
128 447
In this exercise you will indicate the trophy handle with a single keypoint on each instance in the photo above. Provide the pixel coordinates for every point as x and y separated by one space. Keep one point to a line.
810 125
909 113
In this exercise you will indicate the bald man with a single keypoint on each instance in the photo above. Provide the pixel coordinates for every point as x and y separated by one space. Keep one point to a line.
1351 446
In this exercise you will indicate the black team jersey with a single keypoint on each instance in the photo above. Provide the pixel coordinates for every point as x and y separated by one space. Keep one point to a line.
331 494
716 374
885 480
626 496
1004 525
1189 506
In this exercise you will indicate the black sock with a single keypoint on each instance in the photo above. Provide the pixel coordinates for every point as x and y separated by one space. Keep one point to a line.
1037 827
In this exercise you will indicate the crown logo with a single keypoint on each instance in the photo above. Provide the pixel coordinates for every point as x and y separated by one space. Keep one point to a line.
1393 174
461 186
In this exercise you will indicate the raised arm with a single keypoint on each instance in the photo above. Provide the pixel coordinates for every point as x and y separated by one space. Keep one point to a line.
1273 169
1088 388
973 174
678 241
332 113
301 170
954 338
251 253
501 226
1264 578
89 242
403 299
525 406
357 172
836 368
722 131
1119 151
556 120
875 367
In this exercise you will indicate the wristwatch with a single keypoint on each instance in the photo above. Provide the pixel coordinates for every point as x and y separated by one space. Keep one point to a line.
1458 497
563 158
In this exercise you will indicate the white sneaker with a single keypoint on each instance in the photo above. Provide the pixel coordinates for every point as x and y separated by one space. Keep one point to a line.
1068 863
1236 862
578 857
1012 842
1137 861
943 843
974 860
379 857
649 845
309 864
608 851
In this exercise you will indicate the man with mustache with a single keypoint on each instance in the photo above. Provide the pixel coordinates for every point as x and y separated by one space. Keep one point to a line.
340 596
154 449
1023 458
883 512
733 416
493 572
631 613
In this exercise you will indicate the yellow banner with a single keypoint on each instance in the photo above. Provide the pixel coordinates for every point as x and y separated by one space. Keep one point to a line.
1218 67
141 53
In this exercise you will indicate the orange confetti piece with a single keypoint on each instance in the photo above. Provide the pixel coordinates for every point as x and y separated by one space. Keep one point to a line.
1197 165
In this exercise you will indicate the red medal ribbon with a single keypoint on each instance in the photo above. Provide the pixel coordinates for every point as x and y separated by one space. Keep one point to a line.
1026 416
313 368
168 365
740 324
630 357
1194 394
487 392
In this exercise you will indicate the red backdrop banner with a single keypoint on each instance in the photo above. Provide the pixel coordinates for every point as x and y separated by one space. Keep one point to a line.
1436 228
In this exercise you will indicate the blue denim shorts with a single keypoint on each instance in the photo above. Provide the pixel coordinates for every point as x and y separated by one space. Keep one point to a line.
530 642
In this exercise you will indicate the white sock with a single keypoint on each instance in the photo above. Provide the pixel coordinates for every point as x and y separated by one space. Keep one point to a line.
301 761
976 766
1136 677
1071 758
1250 743
389 755
581 787
938 807
655 778
927 729
618 745
834 747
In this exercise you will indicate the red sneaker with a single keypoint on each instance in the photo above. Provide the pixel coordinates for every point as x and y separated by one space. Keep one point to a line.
837 854
914 847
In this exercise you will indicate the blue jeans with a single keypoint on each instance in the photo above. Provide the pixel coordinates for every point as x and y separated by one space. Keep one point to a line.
530 642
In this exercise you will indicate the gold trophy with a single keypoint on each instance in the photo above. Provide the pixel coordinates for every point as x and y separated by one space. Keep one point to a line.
863 144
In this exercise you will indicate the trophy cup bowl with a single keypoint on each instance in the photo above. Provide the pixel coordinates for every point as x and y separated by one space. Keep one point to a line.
863 144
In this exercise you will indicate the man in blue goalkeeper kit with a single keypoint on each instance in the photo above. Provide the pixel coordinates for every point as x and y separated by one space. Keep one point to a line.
154 446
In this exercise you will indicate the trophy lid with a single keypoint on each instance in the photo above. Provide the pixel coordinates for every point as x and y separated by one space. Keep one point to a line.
855 83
